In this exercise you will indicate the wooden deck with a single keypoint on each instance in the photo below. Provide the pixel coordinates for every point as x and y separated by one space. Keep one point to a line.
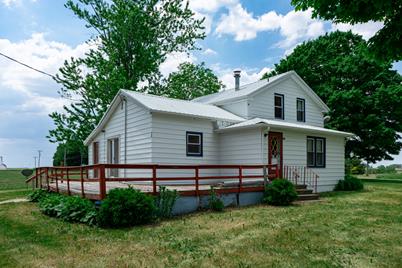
91 189
92 181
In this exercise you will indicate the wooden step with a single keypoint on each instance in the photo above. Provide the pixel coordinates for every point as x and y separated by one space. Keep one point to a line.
305 197
301 186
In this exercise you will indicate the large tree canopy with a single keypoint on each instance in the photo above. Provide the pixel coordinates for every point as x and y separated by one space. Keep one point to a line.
189 82
364 95
133 37
386 44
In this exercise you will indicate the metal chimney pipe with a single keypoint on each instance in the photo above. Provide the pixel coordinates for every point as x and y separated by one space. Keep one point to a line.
236 75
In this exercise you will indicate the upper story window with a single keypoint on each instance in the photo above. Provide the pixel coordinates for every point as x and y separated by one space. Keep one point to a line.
315 152
194 143
301 110
279 106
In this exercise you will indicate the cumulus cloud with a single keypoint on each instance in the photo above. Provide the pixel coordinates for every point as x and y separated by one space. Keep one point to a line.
173 61
367 30
8 3
248 75
209 52
294 26
37 92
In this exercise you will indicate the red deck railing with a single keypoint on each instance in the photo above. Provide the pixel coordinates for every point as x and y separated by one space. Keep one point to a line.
52 177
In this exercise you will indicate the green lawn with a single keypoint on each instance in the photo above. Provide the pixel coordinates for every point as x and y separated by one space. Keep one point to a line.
342 230
390 176
12 179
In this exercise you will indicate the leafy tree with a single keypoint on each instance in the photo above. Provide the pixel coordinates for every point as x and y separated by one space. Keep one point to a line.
364 95
386 43
132 39
189 82
73 153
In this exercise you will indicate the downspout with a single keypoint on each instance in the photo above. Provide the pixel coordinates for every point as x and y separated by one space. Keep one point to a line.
125 133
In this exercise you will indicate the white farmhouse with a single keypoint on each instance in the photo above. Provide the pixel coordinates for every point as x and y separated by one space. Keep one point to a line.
279 120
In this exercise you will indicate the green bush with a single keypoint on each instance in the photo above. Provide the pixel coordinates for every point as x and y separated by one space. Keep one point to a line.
51 205
77 209
215 203
68 208
350 183
280 192
126 207
165 202
37 195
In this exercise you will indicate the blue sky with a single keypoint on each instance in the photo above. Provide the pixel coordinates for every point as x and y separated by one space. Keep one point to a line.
251 35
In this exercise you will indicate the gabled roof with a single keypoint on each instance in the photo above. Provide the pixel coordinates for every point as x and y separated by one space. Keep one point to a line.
165 105
249 90
258 122
181 107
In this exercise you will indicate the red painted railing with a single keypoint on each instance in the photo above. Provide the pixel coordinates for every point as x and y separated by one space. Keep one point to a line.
301 175
52 177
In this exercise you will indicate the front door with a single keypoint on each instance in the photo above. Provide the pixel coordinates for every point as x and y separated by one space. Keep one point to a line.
95 157
275 151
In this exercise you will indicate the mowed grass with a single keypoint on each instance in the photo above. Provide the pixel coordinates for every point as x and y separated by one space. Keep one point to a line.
11 179
390 176
12 184
342 230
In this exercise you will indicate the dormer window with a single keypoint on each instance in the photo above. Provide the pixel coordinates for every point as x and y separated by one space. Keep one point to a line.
301 110
279 106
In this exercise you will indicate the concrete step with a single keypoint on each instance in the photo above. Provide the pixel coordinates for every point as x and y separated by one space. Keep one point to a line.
304 197
301 186
304 191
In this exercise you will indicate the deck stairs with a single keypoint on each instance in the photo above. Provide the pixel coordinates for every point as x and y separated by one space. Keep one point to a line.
305 194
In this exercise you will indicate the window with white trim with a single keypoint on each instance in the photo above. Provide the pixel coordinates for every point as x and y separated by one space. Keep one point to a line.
316 152
193 143
279 106
301 110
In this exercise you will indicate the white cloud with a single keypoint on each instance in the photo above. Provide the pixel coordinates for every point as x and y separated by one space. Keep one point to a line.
210 6
209 52
367 30
247 75
8 3
173 61
36 92
294 26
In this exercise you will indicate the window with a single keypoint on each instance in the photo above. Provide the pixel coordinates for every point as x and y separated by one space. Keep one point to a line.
194 143
301 110
113 155
279 109
315 152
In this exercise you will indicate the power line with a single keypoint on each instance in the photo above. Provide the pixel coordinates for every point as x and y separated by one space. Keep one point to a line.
26 65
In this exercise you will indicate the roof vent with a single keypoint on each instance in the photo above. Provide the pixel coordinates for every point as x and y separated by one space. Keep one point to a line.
236 75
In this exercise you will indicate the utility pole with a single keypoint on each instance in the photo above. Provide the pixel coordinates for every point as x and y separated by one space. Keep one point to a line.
39 153
35 161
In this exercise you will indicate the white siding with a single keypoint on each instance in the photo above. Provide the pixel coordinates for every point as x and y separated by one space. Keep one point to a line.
237 107
295 153
138 135
262 104
169 143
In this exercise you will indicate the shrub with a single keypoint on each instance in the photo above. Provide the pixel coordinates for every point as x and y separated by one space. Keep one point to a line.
68 208
350 183
280 192
215 203
37 195
126 207
77 209
50 205
166 201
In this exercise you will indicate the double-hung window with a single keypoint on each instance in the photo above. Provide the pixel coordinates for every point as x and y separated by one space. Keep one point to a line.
194 143
315 152
279 106
301 110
